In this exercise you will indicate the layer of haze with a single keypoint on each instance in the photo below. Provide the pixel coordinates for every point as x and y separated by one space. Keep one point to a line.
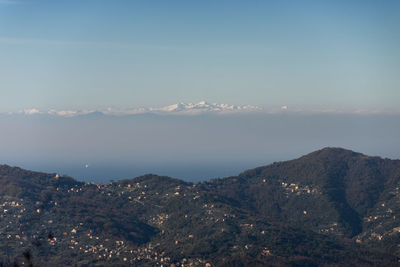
188 147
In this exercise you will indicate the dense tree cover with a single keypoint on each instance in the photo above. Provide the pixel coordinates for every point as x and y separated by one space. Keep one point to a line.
331 207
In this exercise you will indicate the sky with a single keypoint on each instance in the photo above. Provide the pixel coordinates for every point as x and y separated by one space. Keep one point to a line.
99 54
90 54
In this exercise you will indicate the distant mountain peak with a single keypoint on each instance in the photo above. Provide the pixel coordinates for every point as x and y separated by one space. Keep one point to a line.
203 107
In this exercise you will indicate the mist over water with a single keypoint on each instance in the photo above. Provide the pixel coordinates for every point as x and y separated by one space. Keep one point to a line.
102 148
104 173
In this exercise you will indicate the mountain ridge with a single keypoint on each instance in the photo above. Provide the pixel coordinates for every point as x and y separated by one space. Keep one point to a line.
322 208
180 108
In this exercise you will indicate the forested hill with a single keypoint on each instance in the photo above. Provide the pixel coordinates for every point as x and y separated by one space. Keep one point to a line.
332 206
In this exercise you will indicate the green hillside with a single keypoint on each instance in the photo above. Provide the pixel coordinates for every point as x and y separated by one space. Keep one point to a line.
331 207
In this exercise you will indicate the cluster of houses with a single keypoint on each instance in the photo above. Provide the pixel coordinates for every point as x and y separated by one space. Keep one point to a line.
80 240
298 189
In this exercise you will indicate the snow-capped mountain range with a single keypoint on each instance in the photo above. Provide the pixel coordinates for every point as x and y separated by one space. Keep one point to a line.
179 108
203 106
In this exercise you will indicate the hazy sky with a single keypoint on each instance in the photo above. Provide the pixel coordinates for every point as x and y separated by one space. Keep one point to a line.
189 147
100 53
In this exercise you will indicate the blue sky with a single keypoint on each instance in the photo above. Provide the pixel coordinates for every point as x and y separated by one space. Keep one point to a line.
94 54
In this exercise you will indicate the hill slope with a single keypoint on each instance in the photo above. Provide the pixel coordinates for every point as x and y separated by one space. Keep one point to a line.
332 206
